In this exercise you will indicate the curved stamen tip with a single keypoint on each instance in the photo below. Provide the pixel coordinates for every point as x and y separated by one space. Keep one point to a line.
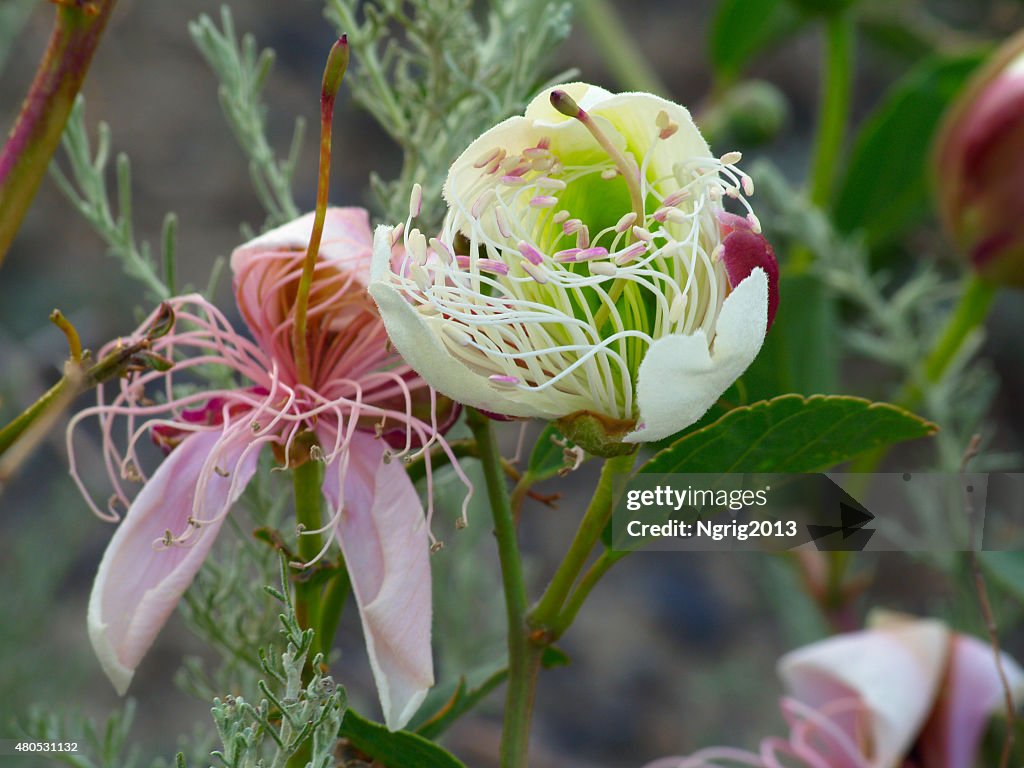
565 103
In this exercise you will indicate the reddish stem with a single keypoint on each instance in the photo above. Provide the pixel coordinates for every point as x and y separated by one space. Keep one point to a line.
32 141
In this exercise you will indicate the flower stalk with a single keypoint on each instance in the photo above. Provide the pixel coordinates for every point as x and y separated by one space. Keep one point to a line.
545 614
78 27
306 479
523 653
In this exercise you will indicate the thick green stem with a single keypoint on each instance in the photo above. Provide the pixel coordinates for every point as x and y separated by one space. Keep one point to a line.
833 115
335 595
621 55
56 396
523 654
588 581
545 613
306 487
971 310
77 29
836 89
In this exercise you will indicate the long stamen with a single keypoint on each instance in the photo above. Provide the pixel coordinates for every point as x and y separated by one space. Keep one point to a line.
334 72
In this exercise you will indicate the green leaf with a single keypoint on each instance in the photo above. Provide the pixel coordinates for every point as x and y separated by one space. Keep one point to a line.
886 185
548 456
743 28
398 749
1007 568
446 703
790 434
554 657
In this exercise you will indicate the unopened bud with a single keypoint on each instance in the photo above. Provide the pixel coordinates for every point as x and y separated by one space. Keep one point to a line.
978 166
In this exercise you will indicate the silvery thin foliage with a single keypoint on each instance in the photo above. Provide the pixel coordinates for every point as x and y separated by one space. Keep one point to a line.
87 191
896 320
289 716
242 69
436 73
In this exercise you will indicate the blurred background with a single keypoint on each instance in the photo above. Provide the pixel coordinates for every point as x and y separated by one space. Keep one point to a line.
673 651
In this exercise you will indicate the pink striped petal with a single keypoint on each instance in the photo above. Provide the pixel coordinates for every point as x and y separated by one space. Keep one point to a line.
971 692
893 671
383 535
138 584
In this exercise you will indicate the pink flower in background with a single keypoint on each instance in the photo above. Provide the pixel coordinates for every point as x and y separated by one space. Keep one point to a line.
979 165
874 698
364 405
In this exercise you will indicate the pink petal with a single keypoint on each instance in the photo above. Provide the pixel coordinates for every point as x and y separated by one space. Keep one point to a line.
138 585
971 692
347 239
258 264
743 252
894 672
383 535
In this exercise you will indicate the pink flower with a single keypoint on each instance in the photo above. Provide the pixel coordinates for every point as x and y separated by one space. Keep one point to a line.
873 698
978 166
364 405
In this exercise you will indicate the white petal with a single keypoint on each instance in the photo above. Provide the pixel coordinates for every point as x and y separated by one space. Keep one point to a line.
895 672
416 339
680 378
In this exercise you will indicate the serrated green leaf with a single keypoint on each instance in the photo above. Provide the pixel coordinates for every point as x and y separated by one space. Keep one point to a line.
743 28
790 434
886 185
394 749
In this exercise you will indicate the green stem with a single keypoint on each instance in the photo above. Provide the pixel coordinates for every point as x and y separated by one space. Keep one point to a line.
32 141
833 115
836 89
970 312
335 595
589 580
621 54
523 654
55 396
545 613
306 488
